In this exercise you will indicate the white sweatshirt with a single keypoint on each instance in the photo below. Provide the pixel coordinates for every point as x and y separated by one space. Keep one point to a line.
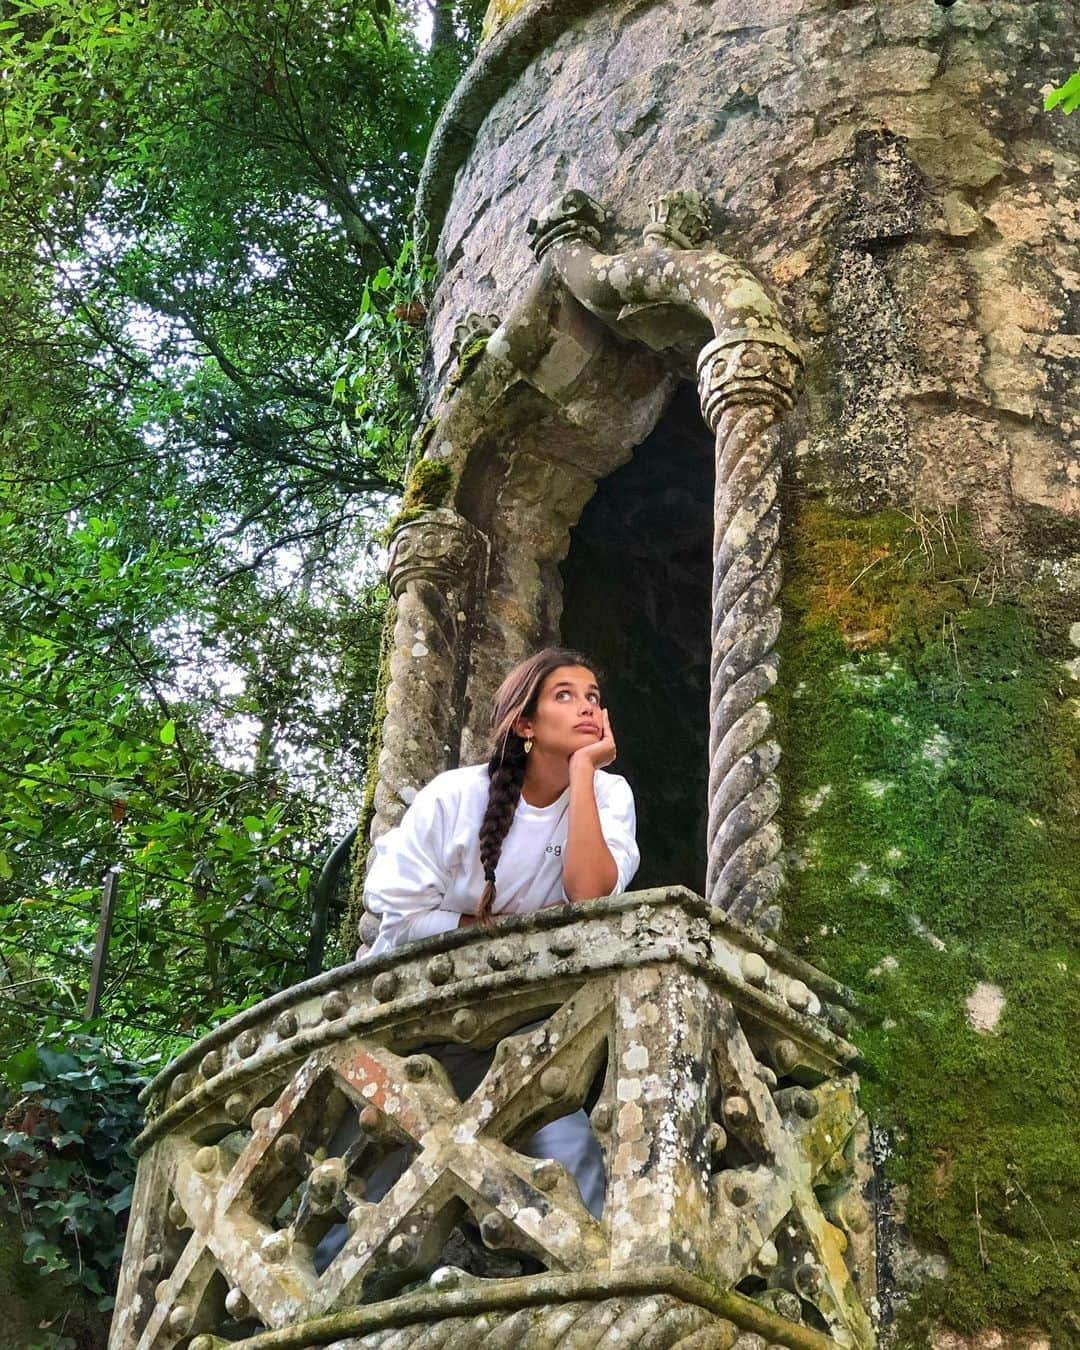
427 872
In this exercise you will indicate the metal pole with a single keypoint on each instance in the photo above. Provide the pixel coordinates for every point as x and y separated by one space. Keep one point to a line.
320 902
101 947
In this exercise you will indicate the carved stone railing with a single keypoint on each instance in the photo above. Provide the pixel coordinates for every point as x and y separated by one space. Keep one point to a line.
717 1081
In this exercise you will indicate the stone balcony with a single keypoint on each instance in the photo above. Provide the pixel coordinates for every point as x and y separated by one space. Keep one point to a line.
718 1083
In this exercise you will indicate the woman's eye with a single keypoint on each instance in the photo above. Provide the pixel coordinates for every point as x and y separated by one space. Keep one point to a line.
595 698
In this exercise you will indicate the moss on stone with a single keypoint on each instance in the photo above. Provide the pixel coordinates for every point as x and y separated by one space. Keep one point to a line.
429 486
424 435
931 798
467 361
395 522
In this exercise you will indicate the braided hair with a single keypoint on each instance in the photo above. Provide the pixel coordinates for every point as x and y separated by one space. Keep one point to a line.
517 697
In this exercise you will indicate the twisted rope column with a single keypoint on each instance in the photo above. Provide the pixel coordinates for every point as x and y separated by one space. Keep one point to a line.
745 385
432 573
433 570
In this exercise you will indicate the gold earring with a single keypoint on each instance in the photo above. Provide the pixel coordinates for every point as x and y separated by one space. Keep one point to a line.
528 745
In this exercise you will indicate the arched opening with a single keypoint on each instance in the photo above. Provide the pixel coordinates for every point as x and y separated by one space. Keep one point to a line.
636 598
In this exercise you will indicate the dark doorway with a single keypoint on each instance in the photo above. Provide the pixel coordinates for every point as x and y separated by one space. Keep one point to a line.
636 598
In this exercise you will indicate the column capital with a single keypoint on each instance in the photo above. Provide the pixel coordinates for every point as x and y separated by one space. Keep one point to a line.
438 546
574 216
742 368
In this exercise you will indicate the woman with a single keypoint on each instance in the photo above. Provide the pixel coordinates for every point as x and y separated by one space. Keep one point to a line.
537 825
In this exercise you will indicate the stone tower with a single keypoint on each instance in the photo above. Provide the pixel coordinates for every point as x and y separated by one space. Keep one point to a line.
752 374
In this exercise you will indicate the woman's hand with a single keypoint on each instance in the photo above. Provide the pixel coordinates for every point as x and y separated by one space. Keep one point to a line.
588 866
601 752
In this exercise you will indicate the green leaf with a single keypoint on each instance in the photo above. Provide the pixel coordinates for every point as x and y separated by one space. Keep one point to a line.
167 734
1067 95
120 1201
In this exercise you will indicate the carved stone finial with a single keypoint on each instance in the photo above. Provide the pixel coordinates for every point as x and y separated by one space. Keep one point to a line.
471 329
679 219
574 215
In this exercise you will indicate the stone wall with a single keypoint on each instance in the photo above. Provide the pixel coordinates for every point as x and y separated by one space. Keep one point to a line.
889 170
886 166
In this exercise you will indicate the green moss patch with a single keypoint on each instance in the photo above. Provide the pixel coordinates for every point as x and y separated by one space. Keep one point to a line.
429 486
932 811
467 362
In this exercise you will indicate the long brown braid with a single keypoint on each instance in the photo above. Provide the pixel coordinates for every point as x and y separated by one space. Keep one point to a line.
517 697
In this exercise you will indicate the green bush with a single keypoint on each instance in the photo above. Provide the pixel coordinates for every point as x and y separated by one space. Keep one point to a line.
70 1113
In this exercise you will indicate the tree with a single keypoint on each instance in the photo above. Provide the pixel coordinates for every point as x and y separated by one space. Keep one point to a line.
208 307
200 441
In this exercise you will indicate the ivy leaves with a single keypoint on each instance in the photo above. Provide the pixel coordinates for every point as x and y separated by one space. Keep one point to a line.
1065 96
69 1115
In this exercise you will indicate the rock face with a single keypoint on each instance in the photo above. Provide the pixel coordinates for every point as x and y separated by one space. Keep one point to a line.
887 167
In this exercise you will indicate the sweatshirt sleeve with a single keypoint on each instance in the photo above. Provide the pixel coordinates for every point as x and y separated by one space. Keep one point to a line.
618 822
407 878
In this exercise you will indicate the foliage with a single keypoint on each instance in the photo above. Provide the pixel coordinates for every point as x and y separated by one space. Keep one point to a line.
70 1114
210 317
194 196
187 754
931 799
199 440
1066 95
385 350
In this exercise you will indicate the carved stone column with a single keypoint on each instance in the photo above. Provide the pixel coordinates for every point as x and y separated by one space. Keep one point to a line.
664 295
435 562
745 386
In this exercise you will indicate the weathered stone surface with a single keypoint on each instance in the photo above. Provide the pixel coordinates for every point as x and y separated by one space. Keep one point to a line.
647 1018
664 295
886 166
436 562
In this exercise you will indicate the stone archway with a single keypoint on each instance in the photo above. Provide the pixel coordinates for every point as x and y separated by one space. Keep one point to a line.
535 462
587 341
645 621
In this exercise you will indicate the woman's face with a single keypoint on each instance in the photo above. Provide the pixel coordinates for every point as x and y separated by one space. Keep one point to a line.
567 712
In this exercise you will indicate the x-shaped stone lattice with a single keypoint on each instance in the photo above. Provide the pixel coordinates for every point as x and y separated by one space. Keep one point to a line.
794 1137
531 1205
711 1166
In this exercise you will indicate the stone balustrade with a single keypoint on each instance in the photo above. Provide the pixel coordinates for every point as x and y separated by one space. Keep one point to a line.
718 1083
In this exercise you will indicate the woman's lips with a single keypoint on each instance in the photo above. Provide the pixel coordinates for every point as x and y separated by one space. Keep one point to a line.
586 726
